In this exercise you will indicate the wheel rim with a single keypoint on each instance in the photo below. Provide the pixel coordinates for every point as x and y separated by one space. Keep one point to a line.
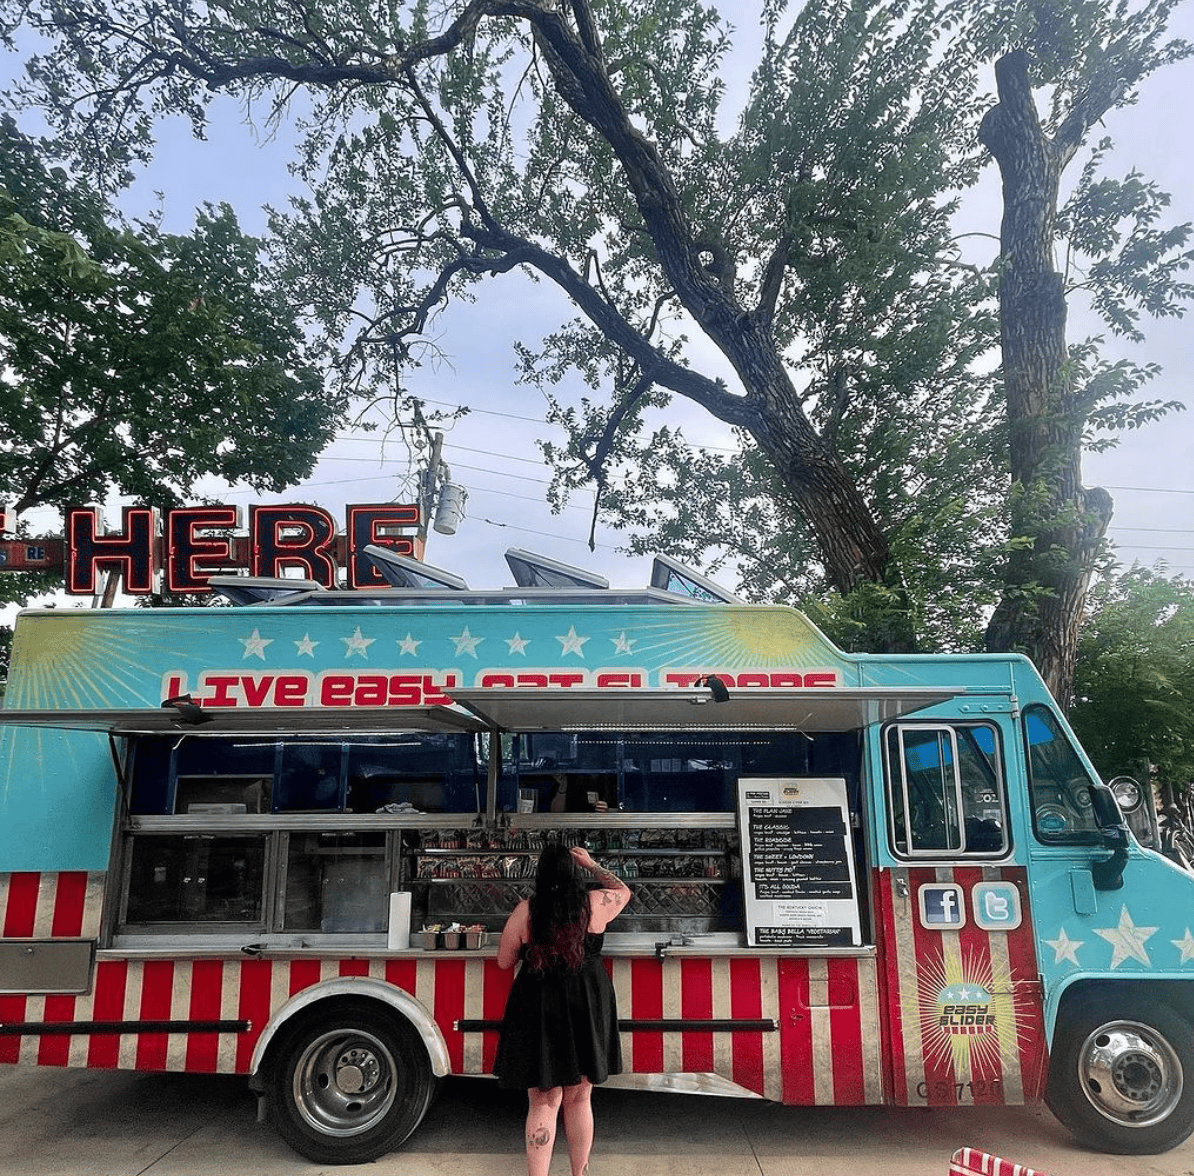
345 1082
1130 1074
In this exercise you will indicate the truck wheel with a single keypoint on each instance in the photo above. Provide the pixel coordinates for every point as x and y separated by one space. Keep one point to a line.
1122 1078
349 1083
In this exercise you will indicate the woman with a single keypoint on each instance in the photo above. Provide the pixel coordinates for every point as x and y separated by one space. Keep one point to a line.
560 1031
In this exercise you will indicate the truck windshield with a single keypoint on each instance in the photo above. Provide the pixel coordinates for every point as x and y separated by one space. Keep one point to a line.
1060 783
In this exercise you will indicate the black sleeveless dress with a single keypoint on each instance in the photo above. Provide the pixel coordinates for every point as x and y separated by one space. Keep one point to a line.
560 1026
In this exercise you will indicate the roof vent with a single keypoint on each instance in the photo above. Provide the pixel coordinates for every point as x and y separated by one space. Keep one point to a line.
538 571
674 577
403 572
256 589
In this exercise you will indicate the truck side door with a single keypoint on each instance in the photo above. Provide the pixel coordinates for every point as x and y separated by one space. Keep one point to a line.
955 925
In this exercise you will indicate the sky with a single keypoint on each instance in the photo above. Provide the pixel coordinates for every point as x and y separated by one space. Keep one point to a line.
493 452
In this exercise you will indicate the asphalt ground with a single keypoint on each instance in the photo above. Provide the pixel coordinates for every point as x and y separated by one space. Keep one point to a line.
99 1123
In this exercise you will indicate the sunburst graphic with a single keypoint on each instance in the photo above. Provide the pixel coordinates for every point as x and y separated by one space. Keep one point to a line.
733 639
985 1039
780 637
80 661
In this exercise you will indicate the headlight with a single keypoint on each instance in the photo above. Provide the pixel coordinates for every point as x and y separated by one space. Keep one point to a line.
1128 794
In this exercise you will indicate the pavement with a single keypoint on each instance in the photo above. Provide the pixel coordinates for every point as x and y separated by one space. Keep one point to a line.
99 1123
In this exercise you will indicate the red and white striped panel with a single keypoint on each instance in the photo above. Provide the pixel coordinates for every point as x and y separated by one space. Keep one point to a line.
238 989
701 988
451 989
969 1161
65 905
945 1059
825 1050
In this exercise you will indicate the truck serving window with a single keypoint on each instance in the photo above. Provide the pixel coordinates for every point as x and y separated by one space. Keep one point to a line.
945 790
195 878
666 771
416 772
1061 806
336 882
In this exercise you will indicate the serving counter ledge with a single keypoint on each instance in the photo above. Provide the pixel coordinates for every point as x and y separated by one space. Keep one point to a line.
630 946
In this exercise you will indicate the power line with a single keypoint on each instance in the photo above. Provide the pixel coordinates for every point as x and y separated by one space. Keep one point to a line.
556 538
501 473
1149 489
489 453
516 417
1155 530
1149 547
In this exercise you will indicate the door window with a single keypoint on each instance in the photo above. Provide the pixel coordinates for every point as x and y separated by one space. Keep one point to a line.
945 790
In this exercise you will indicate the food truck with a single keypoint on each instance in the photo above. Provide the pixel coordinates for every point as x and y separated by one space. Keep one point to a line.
278 840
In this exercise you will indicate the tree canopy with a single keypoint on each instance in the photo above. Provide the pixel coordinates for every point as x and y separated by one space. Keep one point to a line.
1134 685
140 361
795 274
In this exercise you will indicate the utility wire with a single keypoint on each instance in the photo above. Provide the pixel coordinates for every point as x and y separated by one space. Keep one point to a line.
1154 530
1150 489
554 536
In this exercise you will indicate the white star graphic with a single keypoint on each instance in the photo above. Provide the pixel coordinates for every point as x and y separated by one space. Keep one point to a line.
409 645
518 643
1127 940
306 647
357 643
963 994
466 642
622 643
255 645
1185 945
1065 948
571 643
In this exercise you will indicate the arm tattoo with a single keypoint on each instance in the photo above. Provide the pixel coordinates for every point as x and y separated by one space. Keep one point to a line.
607 880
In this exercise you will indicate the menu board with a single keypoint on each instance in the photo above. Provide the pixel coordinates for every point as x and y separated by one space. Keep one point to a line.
799 888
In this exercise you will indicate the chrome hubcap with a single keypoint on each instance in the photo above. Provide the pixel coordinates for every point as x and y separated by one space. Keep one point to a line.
344 1082
1130 1074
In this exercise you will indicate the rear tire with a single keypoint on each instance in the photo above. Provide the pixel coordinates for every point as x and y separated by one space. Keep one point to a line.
1121 1076
349 1083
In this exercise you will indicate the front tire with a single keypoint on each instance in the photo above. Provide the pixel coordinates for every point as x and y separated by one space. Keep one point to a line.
349 1083
1121 1076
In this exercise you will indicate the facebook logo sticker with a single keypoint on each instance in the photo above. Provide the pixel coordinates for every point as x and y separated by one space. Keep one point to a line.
942 906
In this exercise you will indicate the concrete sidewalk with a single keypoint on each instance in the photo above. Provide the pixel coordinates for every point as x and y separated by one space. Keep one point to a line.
89 1123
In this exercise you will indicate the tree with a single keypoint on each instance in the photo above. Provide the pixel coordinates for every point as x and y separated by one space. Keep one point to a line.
806 257
141 361
1134 682
1093 57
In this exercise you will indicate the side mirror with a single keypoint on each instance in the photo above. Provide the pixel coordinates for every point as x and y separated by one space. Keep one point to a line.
1106 809
1108 874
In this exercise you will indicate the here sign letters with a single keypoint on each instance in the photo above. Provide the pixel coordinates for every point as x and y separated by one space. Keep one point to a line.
196 543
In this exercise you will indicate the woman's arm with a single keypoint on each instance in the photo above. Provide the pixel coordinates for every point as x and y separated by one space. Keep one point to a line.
516 932
607 903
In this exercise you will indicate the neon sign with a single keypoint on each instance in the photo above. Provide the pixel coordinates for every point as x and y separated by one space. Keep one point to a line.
197 542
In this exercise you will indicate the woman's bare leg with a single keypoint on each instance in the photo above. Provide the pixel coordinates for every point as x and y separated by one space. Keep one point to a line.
543 1109
578 1123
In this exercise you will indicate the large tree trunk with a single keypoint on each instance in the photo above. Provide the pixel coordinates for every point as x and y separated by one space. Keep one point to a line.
1040 612
850 540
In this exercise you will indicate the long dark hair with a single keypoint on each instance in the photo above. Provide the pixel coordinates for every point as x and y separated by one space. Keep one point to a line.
559 912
